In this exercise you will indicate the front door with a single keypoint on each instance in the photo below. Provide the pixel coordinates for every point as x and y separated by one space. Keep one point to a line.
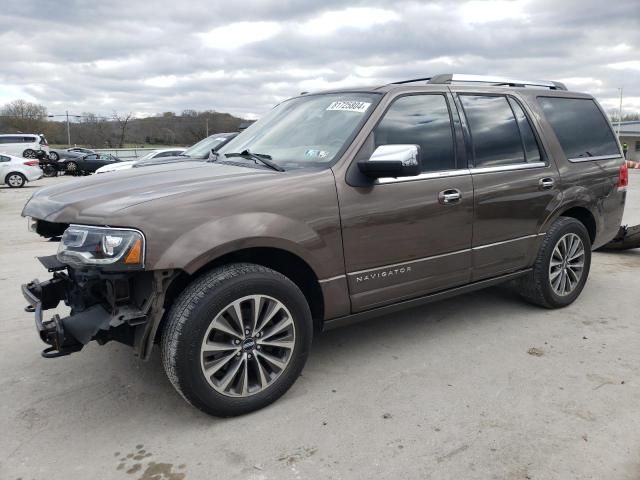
404 237
516 187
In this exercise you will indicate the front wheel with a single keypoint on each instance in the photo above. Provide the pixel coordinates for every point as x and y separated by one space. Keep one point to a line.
49 170
236 339
562 266
54 156
72 168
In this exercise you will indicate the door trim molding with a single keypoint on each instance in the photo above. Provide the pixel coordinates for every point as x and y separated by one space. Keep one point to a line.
433 257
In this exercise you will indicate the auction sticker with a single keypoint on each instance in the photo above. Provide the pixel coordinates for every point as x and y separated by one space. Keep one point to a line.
349 106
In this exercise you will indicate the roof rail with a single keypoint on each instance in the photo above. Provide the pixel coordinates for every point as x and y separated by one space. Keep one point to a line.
449 78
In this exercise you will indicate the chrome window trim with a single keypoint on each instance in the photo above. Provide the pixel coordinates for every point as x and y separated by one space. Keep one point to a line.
424 176
599 157
509 168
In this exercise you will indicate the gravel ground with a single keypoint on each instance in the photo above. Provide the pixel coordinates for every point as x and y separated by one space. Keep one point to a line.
483 386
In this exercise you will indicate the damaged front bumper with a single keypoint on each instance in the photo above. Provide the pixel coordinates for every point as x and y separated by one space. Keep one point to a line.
126 307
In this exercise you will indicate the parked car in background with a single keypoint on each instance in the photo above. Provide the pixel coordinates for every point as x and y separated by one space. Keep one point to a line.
27 145
156 154
16 171
56 154
86 164
200 151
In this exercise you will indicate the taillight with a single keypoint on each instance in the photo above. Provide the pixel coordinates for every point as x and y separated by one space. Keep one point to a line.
32 163
623 177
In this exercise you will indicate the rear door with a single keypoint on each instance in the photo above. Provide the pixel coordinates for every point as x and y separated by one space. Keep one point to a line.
401 238
516 186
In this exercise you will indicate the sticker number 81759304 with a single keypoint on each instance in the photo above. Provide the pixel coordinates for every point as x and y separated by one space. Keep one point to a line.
349 106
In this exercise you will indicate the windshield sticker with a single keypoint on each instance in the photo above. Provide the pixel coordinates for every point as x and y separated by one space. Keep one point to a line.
349 106
316 153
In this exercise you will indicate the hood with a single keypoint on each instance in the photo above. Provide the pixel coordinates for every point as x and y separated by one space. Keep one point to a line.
99 198
162 160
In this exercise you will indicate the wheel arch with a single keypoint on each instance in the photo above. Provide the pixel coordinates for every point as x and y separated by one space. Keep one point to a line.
281 260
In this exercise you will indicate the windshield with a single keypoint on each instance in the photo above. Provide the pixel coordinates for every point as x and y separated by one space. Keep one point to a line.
203 147
305 131
148 155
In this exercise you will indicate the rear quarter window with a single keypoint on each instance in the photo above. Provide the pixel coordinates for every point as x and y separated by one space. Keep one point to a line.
580 126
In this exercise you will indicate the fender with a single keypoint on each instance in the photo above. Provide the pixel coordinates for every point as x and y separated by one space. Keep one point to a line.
206 242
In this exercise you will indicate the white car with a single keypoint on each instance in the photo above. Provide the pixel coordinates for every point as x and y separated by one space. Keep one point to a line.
166 152
16 171
25 145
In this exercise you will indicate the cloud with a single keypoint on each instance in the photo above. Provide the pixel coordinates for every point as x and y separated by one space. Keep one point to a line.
243 57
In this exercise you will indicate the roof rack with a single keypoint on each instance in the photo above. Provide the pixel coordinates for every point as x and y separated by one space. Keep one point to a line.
448 78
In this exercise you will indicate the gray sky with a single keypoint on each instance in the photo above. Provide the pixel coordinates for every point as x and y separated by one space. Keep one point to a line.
244 56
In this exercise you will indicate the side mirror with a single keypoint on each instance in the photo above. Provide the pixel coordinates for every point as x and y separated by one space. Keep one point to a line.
392 161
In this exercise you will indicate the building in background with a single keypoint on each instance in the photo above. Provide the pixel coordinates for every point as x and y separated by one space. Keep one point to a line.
630 134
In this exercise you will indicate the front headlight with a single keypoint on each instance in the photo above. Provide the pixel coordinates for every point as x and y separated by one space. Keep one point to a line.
85 245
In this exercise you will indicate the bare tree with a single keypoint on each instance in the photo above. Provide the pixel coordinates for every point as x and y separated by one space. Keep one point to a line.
24 116
122 121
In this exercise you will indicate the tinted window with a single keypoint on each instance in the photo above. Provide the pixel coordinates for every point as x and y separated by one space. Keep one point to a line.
580 127
494 131
531 149
4 159
28 139
422 120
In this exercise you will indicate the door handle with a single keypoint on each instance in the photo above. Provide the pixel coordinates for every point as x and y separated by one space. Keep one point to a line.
447 197
546 183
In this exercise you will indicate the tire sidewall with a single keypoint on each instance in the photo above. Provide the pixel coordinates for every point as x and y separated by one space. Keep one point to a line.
193 383
572 226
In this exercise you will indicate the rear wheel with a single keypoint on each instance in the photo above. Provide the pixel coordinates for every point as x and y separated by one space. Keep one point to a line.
29 153
562 266
15 180
236 339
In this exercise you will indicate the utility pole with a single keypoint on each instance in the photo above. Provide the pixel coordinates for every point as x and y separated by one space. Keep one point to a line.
619 114
207 126
68 130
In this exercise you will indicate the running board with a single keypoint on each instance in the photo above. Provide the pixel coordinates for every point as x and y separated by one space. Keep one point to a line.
416 302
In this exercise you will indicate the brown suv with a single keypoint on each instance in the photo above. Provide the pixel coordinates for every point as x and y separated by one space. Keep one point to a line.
332 208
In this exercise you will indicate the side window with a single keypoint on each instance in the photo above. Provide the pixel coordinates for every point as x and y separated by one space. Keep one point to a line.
4 139
580 127
421 120
494 131
531 149
28 139
4 159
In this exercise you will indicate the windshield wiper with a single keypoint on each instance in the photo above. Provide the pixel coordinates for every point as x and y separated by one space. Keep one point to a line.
257 157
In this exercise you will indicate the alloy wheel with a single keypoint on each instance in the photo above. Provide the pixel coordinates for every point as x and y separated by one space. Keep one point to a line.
567 264
15 180
247 346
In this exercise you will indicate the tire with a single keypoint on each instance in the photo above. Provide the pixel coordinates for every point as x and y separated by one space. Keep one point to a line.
238 362
72 168
49 170
544 285
29 153
54 156
15 180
